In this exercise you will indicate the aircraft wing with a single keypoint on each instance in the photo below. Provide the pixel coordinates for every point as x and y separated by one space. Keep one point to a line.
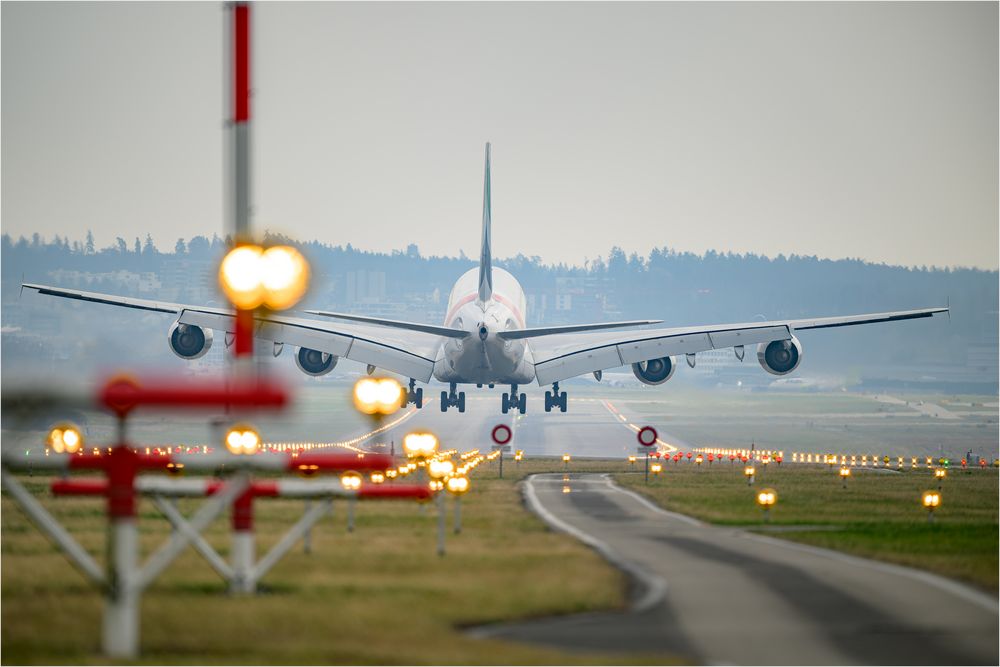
561 356
447 332
406 352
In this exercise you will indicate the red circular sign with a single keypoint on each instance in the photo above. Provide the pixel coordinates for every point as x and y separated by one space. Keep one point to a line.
502 434
647 436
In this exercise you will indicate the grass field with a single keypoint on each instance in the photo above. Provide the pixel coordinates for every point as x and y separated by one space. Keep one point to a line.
878 516
378 595
381 595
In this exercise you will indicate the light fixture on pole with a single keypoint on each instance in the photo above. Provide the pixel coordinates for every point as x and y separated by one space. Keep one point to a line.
242 439
931 501
65 438
766 499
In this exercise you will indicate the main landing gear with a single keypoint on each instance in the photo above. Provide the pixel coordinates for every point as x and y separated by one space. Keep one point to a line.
452 398
555 399
514 401
413 395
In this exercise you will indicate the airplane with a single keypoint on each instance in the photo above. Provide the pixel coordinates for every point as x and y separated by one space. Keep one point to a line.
485 340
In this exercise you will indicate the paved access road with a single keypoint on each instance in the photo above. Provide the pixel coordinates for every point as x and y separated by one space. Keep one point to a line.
722 595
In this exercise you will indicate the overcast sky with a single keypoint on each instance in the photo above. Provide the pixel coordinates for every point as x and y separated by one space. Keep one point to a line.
841 130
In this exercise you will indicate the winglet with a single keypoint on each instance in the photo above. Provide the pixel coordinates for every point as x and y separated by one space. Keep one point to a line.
486 253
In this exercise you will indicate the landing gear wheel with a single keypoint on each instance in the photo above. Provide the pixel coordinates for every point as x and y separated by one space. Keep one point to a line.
522 403
461 401
562 402
505 403
444 401
548 401
419 401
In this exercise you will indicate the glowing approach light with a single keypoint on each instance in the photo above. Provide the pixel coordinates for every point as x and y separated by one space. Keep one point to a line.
766 499
64 438
252 277
419 446
377 396
351 480
438 469
457 486
931 501
242 439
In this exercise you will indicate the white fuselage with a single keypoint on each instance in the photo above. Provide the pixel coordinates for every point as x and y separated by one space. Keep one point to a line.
483 358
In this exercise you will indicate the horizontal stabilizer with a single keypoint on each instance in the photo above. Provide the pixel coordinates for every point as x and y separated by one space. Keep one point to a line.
395 324
571 328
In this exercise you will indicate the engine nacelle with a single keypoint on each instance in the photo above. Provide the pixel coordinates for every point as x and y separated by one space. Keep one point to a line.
780 357
654 371
314 362
188 341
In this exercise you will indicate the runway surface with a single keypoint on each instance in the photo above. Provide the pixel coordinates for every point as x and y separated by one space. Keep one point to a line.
590 427
720 595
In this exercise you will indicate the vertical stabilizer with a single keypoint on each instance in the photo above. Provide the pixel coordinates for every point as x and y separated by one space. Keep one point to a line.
486 253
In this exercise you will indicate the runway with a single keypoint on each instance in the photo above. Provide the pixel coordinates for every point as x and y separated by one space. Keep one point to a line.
720 595
590 427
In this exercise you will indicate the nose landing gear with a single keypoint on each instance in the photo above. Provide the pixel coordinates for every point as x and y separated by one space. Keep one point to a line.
555 399
514 401
452 398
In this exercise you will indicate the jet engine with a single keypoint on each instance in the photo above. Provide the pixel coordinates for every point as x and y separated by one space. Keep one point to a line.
188 341
654 371
314 362
780 357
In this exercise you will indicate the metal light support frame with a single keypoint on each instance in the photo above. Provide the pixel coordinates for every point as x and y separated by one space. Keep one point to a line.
245 572
125 579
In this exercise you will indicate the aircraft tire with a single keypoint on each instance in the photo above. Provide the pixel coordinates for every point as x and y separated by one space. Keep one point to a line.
444 401
461 401
562 402
505 404
420 398
522 403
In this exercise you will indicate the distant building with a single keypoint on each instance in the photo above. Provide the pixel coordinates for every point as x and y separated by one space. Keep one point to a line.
121 279
365 287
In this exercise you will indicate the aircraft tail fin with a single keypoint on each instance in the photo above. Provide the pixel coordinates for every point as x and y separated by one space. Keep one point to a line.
486 253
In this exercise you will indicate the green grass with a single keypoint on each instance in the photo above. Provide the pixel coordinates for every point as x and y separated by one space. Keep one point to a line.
878 515
378 595
381 595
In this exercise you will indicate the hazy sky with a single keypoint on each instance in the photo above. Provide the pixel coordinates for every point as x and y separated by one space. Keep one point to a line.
846 129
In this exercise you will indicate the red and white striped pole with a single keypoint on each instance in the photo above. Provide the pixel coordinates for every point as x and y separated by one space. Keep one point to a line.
244 549
239 90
